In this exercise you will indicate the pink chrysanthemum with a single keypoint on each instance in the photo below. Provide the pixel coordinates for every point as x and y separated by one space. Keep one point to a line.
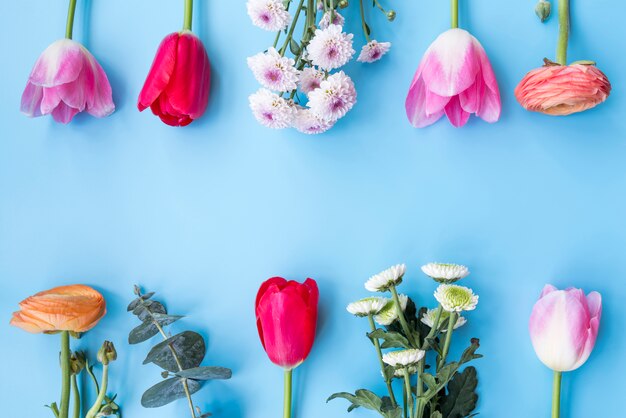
338 19
270 15
330 48
334 98
310 79
373 51
271 110
307 123
273 71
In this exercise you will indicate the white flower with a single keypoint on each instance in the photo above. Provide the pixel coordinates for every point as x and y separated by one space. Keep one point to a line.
271 110
270 15
403 358
273 71
373 51
307 123
334 98
367 306
382 281
445 273
389 313
310 79
456 298
337 20
330 48
429 319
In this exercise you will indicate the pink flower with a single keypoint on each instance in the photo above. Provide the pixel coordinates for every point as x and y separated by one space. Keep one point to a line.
66 80
454 78
561 90
564 326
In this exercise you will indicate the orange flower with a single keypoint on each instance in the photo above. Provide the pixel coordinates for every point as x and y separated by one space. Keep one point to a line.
76 308
561 90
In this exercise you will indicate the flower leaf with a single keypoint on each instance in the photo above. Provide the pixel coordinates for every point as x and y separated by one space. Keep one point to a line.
147 329
461 398
135 302
206 373
436 414
470 353
362 397
167 391
391 339
188 345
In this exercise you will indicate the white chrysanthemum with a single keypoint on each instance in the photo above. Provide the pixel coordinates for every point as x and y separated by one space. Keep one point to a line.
334 98
274 71
307 123
310 79
455 298
338 19
403 358
373 51
382 281
430 316
445 273
330 48
271 110
270 15
389 313
367 306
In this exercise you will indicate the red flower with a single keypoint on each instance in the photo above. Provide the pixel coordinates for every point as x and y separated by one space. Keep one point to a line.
286 313
177 87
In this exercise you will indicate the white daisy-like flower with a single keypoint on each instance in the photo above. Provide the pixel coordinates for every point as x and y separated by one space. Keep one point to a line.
271 110
455 298
429 319
403 358
330 48
334 98
389 313
373 51
445 273
382 281
310 79
338 19
270 15
367 306
306 122
274 71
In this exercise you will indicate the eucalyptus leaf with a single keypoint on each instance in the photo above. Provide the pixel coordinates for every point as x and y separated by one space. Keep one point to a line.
148 329
135 302
189 347
167 391
461 398
206 373
151 307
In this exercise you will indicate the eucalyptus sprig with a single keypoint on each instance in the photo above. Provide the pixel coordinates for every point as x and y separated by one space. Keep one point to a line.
179 356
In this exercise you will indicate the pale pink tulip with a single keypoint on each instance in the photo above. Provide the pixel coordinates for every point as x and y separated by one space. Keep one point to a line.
454 78
66 80
564 326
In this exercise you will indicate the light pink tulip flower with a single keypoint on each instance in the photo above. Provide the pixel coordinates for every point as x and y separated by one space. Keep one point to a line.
454 78
564 326
66 80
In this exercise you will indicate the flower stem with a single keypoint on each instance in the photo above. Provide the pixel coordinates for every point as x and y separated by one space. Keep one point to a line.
332 11
401 318
291 29
69 26
363 23
556 395
65 374
76 395
561 49
382 364
188 14
407 388
446 345
95 408
287 394
455 14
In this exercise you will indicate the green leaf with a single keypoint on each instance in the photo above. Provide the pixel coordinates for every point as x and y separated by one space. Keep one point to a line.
188 345
461 398
206 373
362 397
148 329
135 302
367 29
436 414
149 306
470 353
167 391
429 380
345 395
294 47
391 339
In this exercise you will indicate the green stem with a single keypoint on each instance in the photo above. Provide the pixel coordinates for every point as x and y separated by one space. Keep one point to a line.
95 408
65 374
407 388
76 395
188 14
446 345
564 23
287 394
283 49
382 364
401 318
363 23
69 26
455 14
556 395
332 11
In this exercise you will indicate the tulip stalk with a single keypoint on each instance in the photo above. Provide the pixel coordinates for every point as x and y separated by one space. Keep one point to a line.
455 14
65 375
188 15
556 395
287 394
69 26
564 24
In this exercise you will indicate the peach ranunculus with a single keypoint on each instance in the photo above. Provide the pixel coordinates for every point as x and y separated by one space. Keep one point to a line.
75 308
561 90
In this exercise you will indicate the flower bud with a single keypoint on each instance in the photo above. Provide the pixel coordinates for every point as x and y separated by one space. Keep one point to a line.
343 4
391 15
543 9
77 362
107 353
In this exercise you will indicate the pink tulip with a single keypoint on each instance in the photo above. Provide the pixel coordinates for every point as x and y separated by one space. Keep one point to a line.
177 86
66 80
454 78
564 326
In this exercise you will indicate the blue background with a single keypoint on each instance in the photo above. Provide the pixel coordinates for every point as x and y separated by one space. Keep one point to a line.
204 214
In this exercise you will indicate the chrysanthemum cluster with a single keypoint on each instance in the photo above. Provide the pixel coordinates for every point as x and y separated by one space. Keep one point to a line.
303 86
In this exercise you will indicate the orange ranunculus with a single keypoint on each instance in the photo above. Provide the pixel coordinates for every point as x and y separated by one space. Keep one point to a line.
561 90
76 308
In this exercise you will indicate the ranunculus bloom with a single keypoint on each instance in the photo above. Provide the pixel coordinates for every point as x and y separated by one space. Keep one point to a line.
561 90
564 326
66 80
76 308
178 84
454 78
286 314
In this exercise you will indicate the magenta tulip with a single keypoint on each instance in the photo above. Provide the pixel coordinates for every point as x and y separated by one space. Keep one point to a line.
454 78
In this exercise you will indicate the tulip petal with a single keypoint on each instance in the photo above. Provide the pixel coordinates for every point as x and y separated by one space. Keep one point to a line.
98 93
60 63
547 289
416 103
455 113
31 100
160 71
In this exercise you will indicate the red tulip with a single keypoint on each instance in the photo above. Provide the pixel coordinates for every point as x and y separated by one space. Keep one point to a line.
286 313
177 86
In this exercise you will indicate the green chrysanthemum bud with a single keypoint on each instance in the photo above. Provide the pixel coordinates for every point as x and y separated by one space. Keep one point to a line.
543 9
107 353
391 15
343 4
